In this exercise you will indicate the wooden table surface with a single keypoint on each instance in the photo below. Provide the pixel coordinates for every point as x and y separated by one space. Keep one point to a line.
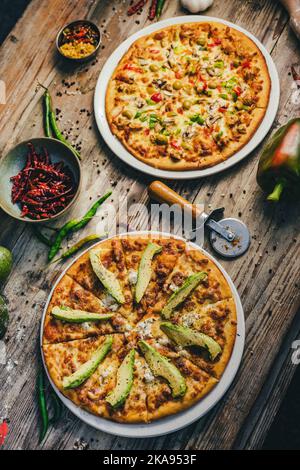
266 277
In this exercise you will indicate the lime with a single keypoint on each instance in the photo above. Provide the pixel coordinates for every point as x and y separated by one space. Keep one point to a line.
5 263
3 317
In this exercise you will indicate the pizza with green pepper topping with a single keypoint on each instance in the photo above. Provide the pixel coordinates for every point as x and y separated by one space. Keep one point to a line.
188 96
148 357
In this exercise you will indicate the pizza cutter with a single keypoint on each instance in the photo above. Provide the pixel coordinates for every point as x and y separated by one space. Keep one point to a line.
229 237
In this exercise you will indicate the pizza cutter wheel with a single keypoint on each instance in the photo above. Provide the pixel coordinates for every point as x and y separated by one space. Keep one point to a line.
229 237
239 237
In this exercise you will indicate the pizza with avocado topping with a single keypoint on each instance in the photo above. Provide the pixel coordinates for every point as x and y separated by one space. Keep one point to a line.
188 96
156 353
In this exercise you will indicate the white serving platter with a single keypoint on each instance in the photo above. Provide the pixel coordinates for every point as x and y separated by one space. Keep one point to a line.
180 420
117 147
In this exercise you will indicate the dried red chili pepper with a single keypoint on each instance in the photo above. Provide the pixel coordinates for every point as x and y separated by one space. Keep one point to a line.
136 7
152 10
42 188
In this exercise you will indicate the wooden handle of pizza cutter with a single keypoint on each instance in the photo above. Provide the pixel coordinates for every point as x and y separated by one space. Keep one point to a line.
161 193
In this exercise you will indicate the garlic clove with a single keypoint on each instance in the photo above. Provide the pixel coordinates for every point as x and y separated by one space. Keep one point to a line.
195 6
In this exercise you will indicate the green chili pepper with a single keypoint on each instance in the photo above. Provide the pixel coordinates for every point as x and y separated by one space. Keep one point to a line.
91 212
47 104
159 7
74 225
71 251
64 231
279 165
50 122
42 405
58 134
42 237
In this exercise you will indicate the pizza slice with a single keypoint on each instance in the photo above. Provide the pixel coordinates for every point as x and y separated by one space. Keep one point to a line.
134 407
161 267
73 314
101 271
196 279
133 248
216 321
64 360
174 384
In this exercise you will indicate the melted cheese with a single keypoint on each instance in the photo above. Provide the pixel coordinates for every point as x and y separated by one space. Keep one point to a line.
132 276
144 328
110 303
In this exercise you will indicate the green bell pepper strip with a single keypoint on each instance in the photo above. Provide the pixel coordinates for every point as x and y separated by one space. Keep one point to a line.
74 225
279 165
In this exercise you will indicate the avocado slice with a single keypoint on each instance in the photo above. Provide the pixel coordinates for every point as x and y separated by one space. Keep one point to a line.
182 293
145 271
124 383
107 278
184 336
78 316
89 367
161 366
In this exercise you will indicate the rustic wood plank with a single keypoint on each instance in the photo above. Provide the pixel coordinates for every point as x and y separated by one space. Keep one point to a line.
27 289
266 406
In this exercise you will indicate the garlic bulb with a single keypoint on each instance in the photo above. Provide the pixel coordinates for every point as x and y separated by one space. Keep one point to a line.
194 6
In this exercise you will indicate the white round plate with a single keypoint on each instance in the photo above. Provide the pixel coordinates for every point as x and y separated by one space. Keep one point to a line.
174 422
117 147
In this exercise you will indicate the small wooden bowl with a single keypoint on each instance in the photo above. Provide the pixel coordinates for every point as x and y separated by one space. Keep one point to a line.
59 39
14 161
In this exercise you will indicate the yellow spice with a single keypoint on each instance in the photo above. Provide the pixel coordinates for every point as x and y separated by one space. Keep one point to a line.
77 50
